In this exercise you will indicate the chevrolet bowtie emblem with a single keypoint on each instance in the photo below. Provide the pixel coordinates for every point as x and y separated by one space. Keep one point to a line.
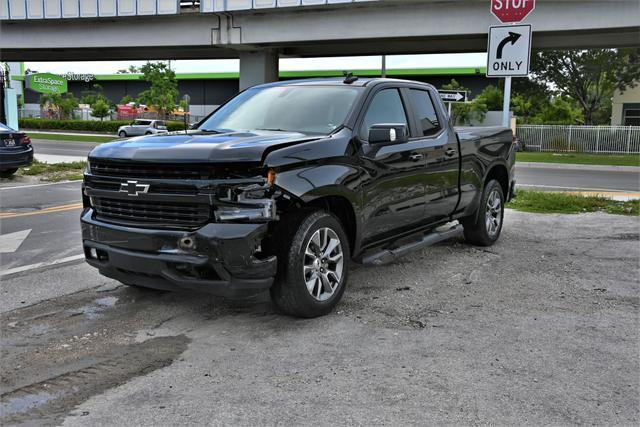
132 188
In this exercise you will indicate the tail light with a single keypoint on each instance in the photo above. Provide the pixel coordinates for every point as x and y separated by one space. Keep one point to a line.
25 140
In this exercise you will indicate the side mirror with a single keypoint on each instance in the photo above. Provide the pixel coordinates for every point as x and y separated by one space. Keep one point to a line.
388 133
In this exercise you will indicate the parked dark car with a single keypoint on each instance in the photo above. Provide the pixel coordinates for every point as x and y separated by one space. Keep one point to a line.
285 184
15 151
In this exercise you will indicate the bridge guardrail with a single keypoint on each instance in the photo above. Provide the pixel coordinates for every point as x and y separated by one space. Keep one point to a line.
585 139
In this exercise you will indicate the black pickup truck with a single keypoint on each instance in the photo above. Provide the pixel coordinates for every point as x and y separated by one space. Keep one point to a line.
286 183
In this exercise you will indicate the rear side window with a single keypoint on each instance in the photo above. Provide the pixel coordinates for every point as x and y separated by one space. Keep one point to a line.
386 107
425 112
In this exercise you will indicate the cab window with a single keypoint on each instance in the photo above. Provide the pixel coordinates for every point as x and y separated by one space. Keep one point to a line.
425 112
385 107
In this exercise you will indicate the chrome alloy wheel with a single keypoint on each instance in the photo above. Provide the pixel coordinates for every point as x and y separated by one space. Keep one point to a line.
323 264
493 217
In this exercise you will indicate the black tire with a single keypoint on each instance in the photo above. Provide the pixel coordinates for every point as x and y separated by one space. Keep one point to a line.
6 173
289 292
148 133
122 134
477 229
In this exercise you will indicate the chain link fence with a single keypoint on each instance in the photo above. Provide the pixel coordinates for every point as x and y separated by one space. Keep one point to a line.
581 139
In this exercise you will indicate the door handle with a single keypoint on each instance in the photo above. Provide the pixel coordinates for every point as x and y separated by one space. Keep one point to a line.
450 152
415 157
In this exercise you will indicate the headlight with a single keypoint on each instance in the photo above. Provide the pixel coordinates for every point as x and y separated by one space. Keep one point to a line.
247 203
261 210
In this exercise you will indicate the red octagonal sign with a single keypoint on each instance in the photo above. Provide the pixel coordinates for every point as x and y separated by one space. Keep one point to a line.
508 11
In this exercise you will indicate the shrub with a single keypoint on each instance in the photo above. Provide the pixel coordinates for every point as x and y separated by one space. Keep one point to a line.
84 125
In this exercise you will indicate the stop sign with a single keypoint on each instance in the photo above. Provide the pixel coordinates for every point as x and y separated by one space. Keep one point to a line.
508 11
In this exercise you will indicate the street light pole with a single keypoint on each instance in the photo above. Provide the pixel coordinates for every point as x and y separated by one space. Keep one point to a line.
383 73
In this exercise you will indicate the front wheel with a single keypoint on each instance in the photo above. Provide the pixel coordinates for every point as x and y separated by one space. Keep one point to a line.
313 261
122 134
484 228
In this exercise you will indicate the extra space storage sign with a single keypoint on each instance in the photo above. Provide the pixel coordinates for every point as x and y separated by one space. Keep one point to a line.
46 83
509 51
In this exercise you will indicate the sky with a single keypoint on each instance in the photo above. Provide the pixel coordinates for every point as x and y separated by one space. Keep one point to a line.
286 64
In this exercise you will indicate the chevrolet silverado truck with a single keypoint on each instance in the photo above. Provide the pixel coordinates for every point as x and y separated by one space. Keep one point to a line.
285 184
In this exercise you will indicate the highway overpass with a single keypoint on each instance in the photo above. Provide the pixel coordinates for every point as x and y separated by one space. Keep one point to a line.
260 31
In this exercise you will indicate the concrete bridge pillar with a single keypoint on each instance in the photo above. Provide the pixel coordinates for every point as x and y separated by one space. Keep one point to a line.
257 67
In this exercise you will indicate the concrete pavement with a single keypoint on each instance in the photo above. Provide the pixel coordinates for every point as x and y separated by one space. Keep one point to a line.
449 335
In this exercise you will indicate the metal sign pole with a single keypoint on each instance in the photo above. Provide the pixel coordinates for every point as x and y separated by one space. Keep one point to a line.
449 108
506 102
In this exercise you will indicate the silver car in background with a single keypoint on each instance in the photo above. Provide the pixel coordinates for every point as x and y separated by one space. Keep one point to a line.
142 127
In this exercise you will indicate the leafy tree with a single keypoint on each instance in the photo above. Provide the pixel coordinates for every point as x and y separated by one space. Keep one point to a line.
492 97
100 109
164 87
92 96
561 110
465 113
60 105
588 76
127 99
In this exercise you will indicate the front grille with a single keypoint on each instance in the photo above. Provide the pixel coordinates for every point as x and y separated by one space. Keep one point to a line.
151 214
150 170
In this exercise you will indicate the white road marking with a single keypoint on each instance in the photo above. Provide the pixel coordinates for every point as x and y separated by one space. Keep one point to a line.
38 185
10 242
40 265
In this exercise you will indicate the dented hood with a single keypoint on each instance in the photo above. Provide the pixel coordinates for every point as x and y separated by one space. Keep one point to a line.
197 146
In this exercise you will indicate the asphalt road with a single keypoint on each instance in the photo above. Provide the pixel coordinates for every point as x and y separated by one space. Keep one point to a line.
63 148
540 328
48 214
556 177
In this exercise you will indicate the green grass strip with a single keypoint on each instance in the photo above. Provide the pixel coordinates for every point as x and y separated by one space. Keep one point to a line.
564 203
61 137
580 158
54 172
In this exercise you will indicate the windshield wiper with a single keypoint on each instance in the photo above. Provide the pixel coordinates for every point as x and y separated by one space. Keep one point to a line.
275 130
215 130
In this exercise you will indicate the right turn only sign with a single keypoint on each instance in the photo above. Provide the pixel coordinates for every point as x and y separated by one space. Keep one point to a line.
509 50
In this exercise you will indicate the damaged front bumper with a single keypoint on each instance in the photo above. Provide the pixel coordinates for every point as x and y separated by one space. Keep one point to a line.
219 258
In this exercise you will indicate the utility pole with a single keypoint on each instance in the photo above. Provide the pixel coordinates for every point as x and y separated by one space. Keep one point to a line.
383 73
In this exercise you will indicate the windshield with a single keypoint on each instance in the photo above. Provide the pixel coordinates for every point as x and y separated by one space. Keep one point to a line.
306 109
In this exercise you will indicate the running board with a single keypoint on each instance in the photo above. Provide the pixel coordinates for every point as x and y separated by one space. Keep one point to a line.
387 255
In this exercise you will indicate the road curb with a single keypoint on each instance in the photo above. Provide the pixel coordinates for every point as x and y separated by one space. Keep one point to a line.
574 166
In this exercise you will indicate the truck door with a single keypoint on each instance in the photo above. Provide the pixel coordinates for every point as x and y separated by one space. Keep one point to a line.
441 150
394 194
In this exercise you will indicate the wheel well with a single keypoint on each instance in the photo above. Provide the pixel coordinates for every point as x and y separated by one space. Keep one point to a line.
342 209
499 173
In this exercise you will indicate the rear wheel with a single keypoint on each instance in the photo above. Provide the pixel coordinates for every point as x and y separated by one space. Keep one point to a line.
313 258
484 228
6 173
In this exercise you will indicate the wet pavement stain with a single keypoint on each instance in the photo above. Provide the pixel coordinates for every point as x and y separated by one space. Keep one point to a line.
50 401
80 346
